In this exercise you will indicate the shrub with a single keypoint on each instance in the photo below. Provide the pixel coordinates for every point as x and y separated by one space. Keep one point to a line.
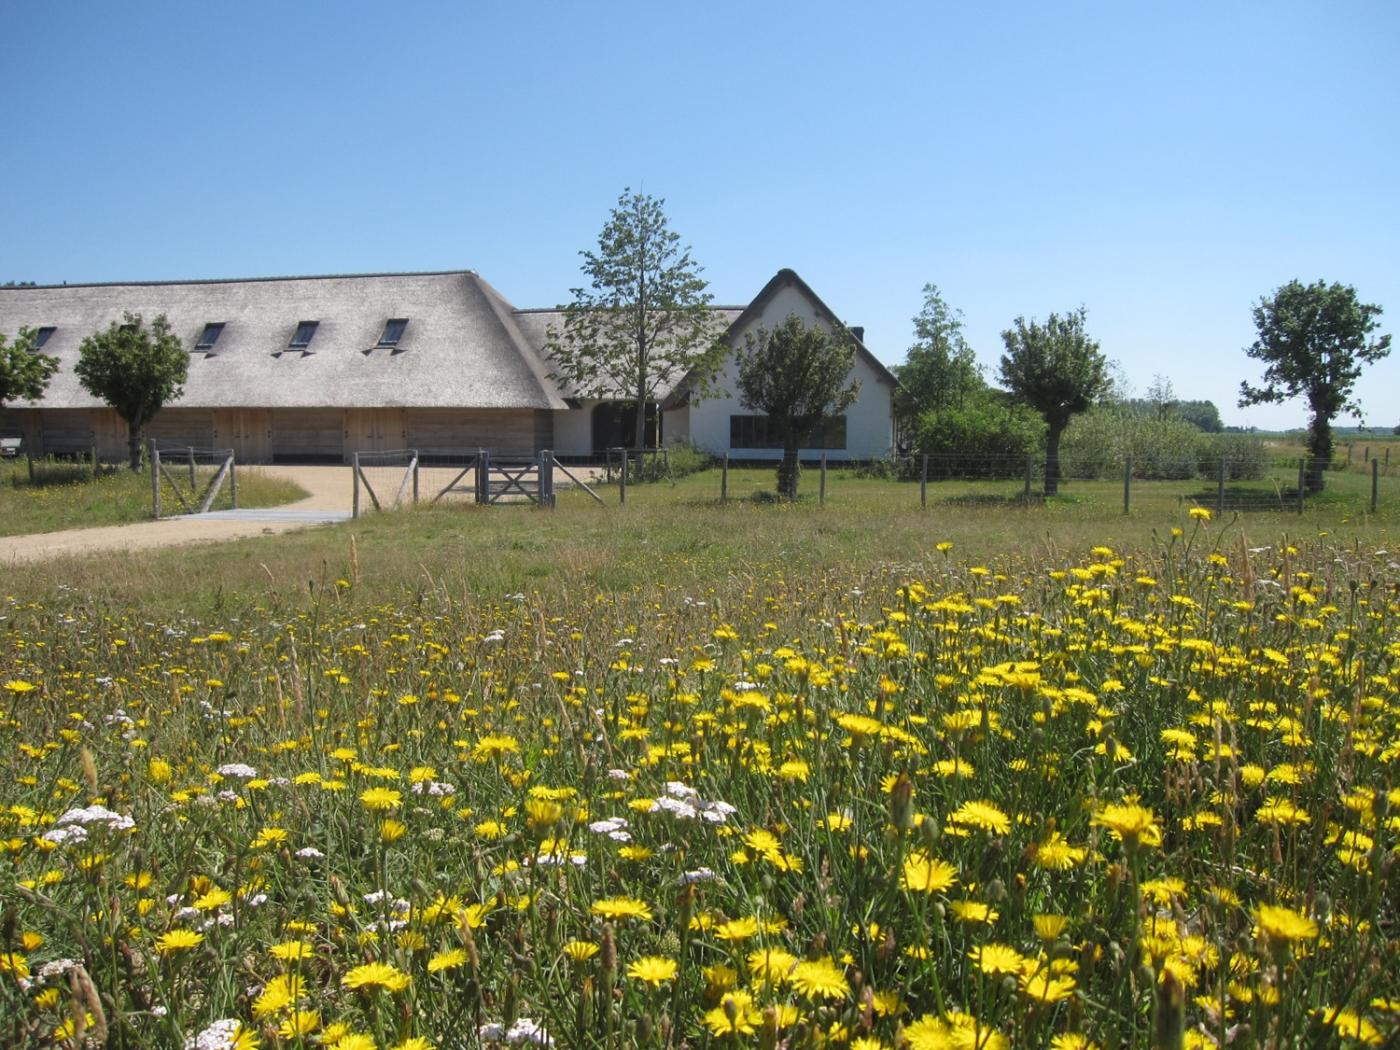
982 437
1162 447
1247 458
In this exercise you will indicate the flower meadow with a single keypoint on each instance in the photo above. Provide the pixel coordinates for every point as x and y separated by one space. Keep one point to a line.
1127 799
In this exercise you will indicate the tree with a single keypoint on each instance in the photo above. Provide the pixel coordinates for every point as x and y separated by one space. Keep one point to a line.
24 372
1057 370
797 377
134 369
940 369
1314 338
644 321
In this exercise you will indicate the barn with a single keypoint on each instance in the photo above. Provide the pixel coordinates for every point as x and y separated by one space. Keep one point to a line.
314 369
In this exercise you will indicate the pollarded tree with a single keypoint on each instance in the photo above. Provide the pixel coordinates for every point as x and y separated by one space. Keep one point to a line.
134 369
1056 369
24 372
798 377
1314 338
645 321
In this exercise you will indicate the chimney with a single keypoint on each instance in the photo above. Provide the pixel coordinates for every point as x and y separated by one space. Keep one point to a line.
858 330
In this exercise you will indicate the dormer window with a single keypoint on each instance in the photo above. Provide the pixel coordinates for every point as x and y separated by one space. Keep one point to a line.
212 331
42 336
301 339
393 332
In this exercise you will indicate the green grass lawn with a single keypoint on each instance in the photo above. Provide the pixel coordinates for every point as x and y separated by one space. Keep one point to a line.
679 541
69 496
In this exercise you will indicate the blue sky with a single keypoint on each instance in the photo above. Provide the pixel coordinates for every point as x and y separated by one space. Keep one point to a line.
1164 165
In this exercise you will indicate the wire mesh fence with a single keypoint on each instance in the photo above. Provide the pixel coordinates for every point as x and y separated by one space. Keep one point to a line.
187 480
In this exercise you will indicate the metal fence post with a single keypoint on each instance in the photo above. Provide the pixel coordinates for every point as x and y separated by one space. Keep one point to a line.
233 479
1220 488
923 483
355 500
1302 480
724 480
622 479
1127 482
155 478
1375 483
415 478
821 492
1030 470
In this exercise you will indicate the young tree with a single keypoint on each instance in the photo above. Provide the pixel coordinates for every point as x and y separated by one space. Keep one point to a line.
798 377
1057 370
24 372
940 369
134 369
1314 338
644 321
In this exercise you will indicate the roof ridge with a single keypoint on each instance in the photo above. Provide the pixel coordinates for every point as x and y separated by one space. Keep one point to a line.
561 309
241 280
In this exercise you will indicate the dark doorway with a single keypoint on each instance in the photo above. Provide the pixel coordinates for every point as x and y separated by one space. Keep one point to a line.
615 425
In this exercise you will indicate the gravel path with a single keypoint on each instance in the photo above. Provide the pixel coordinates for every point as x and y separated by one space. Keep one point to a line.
328 498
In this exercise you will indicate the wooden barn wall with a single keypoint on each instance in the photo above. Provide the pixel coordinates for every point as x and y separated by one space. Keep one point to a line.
308 434
502 431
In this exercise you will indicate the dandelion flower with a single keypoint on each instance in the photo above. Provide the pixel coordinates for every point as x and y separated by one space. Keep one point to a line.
653 970
448 960
380 798
372 976
1280 925
621 908
981 815
820 979
178 941
924 874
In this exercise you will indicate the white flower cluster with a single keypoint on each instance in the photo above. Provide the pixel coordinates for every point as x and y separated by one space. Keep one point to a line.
434 788
698 875
684 802
309 853
614 828
73 825
218 1036
523 1031
237 769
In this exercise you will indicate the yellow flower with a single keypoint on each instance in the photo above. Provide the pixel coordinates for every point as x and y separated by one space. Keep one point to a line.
735 1015
924 874
178 941
1130 823
1279 925
375 975
997 959
982 815
820 979
621 908
580 951
380 798
448 960
1200 513
653 970
292 951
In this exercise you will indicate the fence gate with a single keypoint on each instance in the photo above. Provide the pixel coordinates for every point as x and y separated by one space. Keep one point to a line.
194 477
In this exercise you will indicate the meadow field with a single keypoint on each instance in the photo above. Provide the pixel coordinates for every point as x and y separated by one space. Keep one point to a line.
684 774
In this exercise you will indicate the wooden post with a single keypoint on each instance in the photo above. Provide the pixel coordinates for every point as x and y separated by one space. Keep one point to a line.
546 483
923 483
723 480
155 478
483 476
1349 447
415 478
192 477
92 460
233 479
622 479
29 459
355 499
821 492
1030 470
1302 480
1127 482
1368 455
1375 483
1220 488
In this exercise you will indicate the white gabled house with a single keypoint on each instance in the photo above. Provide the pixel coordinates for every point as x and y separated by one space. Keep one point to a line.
317 368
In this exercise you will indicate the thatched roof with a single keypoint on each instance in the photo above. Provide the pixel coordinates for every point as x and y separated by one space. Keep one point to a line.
462 346
535 325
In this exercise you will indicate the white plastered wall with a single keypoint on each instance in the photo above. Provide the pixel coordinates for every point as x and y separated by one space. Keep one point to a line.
869 421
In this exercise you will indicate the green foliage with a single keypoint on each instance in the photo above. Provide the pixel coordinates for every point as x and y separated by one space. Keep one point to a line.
1057 370
1247 457
941 369
685 459
987 433
644 320
1314 339
1163 448
134 369
24 372
798 377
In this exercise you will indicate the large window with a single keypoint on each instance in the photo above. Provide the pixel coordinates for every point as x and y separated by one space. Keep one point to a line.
755 432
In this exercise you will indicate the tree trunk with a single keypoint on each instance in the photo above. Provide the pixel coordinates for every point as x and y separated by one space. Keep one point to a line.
133 446
789 468
640 433
1052 458
1319 451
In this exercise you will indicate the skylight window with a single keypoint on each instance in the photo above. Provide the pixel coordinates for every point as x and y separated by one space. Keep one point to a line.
212 331
42 336
393 332
306 331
